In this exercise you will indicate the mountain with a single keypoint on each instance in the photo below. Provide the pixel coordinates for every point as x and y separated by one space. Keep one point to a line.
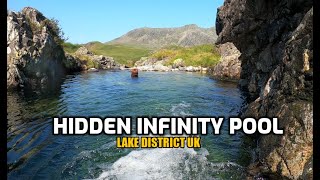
189 35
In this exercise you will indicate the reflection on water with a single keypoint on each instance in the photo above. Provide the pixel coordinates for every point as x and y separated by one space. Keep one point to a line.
34 153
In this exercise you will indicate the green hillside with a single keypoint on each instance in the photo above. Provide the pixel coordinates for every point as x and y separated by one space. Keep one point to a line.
202 55
123 54
70 48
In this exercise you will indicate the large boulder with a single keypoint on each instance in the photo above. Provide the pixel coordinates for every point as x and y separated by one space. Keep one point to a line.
229 66
103 62
161 67
83 51
34 55
146 61
152 64
276 42
178 63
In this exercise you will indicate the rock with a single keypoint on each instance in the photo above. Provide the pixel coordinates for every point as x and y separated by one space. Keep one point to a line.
103 61
275 39
93 70
229 66
83 51
124 67
160 67
178 63
182 69
145 61
73 64
35 57
145 68
190 69
204 69
152 64
8 50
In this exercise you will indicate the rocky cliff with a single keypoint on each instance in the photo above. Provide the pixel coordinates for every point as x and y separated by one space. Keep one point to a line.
276 41
34 55
229 66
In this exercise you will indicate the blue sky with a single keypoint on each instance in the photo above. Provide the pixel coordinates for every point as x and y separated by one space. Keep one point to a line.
102 20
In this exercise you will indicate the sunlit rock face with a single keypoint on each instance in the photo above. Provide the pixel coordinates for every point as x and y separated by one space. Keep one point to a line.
275 39
34 55
229 67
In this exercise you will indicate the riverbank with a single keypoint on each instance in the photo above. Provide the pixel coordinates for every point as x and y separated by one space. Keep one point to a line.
152 64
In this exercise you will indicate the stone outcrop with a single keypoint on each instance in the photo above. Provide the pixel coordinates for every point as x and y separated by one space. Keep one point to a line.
145 61
34 55
229 66
102 62
178 63
153 64
276 42
83 51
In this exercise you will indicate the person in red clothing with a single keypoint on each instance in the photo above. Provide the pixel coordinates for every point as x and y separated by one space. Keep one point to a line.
134 72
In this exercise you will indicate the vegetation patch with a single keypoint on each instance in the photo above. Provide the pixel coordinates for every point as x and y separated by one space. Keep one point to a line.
70 48
123 54
52 26
87 62
202 55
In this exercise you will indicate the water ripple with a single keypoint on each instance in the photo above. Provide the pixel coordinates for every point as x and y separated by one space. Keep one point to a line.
34 153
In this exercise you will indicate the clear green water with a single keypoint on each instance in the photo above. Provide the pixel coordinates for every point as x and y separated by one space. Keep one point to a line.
34 153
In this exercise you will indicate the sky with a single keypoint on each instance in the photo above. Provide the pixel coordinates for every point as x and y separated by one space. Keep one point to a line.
84 21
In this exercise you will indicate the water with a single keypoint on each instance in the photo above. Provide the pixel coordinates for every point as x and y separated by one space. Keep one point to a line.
34 153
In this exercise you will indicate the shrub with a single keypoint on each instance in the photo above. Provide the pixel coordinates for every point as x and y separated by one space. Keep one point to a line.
52 26
88 62
54 29
70 48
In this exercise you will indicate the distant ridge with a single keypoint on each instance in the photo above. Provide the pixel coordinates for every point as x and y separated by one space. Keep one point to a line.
188 35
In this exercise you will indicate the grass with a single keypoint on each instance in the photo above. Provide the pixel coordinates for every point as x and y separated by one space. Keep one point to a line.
202 55
85 60
123 54
70 48
88 62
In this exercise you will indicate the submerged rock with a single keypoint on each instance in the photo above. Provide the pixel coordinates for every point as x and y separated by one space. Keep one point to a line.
276 42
